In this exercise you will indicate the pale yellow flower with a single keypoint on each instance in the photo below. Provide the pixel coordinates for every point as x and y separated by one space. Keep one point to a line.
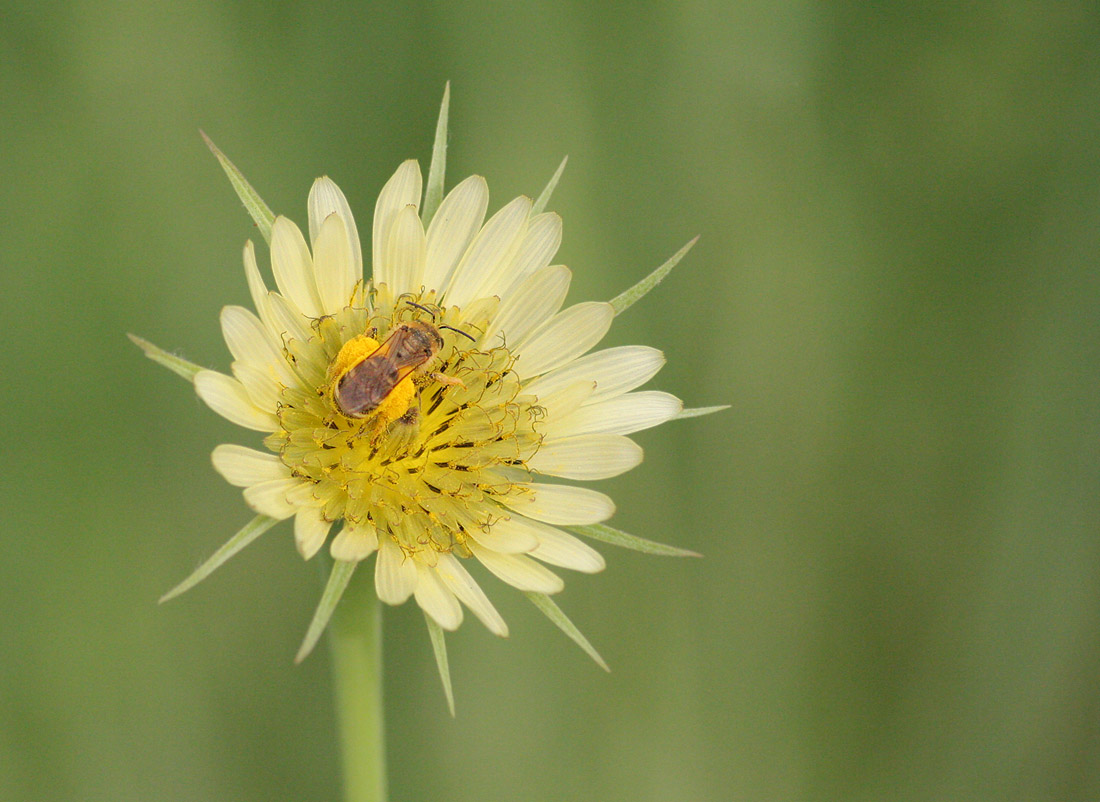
473 452
469 481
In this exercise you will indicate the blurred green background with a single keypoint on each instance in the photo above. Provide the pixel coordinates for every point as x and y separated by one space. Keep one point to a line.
896 288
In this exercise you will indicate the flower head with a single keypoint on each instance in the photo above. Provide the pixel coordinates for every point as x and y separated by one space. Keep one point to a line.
427 413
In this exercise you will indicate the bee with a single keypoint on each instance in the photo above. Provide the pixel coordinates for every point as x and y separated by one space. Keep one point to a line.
368 379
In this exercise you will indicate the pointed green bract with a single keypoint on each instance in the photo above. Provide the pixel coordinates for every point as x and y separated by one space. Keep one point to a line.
439 646
433 191
625 300
252 530
330 597
178 365
562 622
544 197
615 537
257 209
698 412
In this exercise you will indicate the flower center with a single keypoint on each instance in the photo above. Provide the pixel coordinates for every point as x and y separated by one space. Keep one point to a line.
449 436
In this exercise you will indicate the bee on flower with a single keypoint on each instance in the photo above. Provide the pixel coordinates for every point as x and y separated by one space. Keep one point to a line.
435 411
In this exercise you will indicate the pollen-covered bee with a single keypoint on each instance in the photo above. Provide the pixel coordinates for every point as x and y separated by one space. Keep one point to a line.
368 379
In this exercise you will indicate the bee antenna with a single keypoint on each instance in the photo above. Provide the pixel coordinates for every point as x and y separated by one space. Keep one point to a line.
422 308
464 334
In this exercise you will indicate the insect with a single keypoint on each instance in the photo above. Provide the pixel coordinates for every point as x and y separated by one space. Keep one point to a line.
369 379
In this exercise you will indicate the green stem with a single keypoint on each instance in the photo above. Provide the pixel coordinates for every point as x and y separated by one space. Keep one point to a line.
355 635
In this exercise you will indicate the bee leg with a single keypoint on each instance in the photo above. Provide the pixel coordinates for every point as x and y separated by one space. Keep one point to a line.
378 430
405 429
400 431
411 416
450 381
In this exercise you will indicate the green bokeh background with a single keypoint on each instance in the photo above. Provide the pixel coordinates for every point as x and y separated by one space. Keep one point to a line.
896 289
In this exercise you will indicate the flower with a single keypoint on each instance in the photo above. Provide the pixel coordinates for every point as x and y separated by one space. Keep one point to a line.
426 415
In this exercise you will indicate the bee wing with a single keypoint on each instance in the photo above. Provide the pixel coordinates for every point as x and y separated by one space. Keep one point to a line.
367 384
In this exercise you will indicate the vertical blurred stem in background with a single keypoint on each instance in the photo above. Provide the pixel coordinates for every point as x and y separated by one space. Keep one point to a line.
355 635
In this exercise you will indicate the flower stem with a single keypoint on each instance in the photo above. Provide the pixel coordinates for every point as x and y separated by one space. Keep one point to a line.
355 636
